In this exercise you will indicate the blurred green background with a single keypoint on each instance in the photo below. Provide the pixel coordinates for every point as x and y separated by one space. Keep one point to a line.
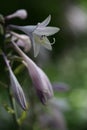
67 63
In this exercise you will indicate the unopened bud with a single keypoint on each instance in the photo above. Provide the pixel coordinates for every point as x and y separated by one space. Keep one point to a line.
22 14
16 87
39 78
22 41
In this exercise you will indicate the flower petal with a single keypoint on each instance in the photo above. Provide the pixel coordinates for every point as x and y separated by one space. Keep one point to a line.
45 22
36 47
48 46
41 41
47 43
47 31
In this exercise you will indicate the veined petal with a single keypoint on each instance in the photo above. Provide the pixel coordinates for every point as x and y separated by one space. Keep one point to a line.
36 47
47 31
47 43
48 46
38 41
45 22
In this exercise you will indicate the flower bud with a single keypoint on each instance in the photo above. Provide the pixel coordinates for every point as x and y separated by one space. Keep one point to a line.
22 14
39 78
22 41
15 87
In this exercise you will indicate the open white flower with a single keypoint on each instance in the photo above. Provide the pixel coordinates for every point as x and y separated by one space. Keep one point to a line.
39 78
38 34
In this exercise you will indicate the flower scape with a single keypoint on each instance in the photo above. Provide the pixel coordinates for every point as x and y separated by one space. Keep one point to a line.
33 37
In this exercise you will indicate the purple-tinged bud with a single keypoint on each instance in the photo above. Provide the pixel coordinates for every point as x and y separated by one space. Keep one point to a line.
22 41
22 14
15 87
39 78
40 81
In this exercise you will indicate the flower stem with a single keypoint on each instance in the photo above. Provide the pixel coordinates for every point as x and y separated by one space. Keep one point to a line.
15 117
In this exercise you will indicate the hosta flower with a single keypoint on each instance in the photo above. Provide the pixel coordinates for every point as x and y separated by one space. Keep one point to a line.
16 88
22 14
38 34
39 78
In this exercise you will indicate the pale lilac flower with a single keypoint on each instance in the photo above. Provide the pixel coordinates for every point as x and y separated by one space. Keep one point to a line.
22 14
15 87
39 78
38 34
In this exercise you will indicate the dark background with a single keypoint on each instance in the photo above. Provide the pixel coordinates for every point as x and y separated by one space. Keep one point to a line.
68 60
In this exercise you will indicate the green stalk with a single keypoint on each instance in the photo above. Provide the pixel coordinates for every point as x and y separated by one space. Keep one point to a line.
15 117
